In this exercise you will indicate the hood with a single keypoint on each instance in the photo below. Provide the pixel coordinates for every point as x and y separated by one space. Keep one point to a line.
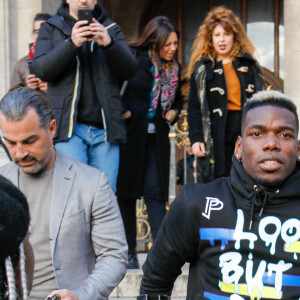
99 13
254 199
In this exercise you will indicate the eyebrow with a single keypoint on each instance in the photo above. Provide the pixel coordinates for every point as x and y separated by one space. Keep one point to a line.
24 140
257 126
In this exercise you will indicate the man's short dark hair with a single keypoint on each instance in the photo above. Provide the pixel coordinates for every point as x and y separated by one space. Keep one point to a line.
270 98
41 17
15 104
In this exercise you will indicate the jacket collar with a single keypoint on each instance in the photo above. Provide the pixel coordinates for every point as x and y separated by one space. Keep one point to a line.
63 178
252 198
64 22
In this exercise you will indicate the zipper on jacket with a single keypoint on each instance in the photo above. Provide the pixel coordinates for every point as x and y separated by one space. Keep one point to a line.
104 125
92 46
75 95
110 25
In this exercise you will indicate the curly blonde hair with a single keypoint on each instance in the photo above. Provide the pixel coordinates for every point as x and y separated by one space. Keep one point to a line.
203 45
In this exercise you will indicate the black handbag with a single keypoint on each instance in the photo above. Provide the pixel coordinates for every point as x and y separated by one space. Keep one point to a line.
206 164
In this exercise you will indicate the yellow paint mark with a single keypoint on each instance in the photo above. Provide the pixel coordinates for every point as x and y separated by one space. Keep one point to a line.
267 292
294 247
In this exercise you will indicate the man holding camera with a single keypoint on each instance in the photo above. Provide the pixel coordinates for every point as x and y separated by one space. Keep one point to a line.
84 64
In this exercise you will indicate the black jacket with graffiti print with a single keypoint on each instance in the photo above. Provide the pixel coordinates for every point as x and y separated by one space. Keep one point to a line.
241 242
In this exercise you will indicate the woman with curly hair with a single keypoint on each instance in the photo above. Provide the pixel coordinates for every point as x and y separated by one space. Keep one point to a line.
223 75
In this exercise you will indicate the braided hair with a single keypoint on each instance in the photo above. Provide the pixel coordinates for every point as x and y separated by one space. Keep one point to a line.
14 222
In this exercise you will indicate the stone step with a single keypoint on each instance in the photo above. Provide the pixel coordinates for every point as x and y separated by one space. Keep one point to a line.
130 285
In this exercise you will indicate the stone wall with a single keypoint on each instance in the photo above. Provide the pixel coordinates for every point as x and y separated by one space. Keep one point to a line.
292 50
4 46
16 25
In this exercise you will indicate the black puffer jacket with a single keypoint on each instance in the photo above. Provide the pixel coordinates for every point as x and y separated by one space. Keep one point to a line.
208 225
57 61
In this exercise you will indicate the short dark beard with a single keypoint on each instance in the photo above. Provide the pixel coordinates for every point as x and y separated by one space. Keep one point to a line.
34 169
269 185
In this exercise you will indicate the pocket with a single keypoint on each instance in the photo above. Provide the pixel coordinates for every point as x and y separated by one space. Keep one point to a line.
76 218
73 237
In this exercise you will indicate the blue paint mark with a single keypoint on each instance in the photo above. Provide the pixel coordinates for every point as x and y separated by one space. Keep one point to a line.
213 234
287 280
212 296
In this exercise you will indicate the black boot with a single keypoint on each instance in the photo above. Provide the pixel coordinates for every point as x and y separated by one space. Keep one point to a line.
133 262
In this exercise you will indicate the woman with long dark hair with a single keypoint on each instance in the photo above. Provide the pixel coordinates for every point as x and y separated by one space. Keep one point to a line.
223 75
152 102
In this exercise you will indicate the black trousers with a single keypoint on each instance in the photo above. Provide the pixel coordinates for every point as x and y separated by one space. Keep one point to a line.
152 192
232 131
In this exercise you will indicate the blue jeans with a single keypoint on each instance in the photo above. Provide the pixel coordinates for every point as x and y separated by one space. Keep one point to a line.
87 145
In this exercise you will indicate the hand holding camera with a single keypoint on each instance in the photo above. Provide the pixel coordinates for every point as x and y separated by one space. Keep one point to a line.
88 29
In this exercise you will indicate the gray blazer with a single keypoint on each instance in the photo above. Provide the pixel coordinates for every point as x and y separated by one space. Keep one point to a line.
87 238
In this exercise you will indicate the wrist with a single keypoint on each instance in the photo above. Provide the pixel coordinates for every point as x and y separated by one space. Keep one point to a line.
109 45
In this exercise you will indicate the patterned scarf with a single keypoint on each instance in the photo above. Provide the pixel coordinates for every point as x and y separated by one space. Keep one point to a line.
165 83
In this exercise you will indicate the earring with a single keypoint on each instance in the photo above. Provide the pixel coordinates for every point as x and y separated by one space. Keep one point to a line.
237 156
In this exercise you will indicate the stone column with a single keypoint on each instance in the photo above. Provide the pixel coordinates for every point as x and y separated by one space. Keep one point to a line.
292 50
25 13
4 46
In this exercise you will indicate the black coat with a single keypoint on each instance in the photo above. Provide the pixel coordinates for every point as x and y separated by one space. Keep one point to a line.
57 62
215 94
132 154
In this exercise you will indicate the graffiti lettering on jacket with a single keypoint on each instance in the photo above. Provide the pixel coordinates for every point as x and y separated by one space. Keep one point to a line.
268 278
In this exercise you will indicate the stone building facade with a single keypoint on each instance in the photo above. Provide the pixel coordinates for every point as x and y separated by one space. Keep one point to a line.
16 23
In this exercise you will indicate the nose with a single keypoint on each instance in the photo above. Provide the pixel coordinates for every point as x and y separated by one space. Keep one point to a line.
174 47
271 143
222 37
21 152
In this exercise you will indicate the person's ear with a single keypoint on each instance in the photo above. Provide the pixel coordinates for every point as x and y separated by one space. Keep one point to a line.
238 148
52 128
298 152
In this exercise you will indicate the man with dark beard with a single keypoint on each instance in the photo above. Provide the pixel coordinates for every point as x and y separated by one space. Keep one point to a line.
76 230
240 233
